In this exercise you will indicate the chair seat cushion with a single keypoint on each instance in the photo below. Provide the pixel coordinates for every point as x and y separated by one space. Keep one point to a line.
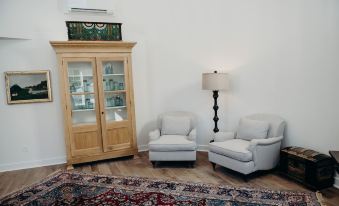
234 148
167 143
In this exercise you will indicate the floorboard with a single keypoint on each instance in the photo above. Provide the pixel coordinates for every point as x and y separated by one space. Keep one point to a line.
140 166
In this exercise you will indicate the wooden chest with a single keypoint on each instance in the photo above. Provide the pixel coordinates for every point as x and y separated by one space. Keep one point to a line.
311 168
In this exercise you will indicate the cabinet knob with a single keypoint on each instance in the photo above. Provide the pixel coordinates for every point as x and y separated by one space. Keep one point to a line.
102 112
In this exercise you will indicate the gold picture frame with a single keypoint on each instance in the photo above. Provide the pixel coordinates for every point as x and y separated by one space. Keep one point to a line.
28 86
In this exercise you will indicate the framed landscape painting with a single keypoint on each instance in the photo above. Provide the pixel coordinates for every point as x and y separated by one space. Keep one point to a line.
28 86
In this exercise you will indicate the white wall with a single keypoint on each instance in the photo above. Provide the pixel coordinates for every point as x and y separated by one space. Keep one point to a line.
282 57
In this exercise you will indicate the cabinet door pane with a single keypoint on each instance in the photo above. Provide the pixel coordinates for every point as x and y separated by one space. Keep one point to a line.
115 105
83 108
81 90
114 90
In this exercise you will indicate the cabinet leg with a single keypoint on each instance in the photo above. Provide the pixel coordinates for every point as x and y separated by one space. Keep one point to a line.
69 167
130 157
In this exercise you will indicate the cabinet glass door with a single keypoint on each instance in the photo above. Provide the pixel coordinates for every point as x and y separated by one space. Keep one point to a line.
82 104
81 89
114 91
113 83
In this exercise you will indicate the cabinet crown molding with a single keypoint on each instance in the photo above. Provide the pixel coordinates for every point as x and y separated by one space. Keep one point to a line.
85 46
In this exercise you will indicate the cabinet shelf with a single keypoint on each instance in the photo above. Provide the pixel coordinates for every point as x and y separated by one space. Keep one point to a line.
115 91
107 75
116 107
80 76
82 110
85 110
81 93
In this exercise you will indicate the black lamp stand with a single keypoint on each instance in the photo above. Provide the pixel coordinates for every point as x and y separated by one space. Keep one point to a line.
215 108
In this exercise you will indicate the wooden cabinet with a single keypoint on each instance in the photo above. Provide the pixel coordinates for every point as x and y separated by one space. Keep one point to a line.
97 99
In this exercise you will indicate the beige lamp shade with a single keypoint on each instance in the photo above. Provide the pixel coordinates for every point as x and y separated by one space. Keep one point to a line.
215 81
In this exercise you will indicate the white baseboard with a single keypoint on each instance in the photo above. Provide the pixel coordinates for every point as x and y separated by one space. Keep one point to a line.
32 164
203 148
336 181
142 148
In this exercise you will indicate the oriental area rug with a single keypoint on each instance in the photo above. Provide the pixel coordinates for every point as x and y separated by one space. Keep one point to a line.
77 188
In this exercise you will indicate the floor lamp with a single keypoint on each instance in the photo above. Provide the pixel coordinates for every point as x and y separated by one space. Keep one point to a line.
215 82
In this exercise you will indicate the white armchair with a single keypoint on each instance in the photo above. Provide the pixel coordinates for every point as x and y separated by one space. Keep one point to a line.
255 145
174 139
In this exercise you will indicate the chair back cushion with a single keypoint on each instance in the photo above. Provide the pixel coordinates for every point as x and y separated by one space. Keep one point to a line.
175 125
252 129
277 124
172 125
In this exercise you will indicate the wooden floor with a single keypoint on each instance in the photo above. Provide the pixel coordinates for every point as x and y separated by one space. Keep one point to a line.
140 166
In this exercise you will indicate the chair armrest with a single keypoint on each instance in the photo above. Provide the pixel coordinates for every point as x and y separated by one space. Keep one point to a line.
265 152
268 141
154 135
192 135
223 136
